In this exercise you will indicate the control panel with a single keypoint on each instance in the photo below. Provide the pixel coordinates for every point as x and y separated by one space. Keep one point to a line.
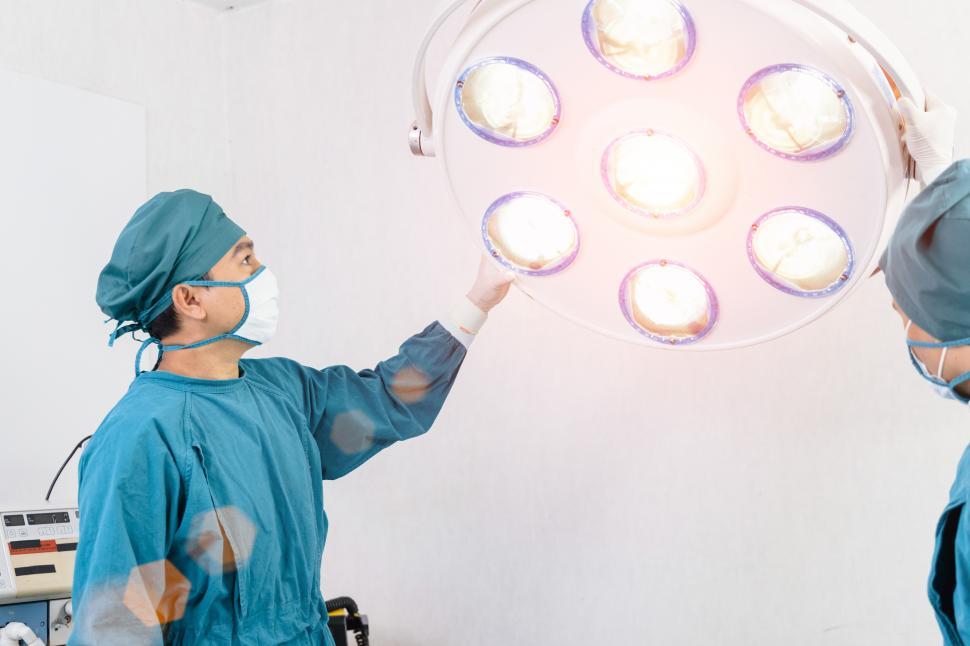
37 555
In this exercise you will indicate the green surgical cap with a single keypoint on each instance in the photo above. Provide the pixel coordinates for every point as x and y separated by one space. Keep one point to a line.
172 238
927 263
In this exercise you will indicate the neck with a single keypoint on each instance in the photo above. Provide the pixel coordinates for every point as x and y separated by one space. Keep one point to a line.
219 360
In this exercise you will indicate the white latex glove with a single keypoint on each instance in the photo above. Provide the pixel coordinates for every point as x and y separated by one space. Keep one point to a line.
929 135
491 284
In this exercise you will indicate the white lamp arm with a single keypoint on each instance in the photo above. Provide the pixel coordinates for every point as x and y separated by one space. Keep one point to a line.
848 19
420 138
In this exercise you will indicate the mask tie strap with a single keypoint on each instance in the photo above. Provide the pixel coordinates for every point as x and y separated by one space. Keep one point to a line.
939 369
959 381
909 342
145 344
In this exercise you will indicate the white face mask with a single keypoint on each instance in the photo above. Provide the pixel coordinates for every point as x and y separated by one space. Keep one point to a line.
943 388
259 322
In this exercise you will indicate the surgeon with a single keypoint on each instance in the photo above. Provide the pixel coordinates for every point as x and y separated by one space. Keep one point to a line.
927 270
200 494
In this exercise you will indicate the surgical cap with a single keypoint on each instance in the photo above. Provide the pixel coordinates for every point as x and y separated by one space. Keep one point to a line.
172 238
927 263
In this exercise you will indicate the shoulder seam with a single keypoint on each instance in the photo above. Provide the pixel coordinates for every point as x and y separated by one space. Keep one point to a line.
286 396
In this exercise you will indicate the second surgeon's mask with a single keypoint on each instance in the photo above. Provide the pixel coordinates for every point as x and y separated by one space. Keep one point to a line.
943 388
259 320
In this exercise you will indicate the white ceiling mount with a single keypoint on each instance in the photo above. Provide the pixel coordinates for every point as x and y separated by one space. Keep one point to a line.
731 169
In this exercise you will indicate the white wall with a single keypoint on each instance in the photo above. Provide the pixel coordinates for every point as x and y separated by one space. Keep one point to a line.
73 163
162 55
784 494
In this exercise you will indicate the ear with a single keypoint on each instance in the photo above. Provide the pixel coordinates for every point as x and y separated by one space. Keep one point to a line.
187 303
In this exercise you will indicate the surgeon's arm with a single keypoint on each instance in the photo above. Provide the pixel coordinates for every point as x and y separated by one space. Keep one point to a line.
355 414
124 590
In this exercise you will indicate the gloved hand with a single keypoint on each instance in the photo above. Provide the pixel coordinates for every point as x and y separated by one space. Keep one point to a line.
929 135
491 284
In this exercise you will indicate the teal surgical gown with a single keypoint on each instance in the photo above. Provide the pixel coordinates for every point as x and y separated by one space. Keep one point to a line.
949 584
201 502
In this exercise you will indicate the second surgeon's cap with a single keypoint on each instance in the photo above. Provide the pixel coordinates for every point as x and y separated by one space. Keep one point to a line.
927 263
173 238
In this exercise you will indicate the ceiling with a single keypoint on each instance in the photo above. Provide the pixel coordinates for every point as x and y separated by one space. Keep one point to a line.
222 5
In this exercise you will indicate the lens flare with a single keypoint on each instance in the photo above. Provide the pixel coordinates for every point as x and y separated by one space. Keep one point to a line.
353 432
221 540
157 593
410 384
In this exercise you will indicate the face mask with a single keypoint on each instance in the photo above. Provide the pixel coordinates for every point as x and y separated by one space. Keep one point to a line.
259 320
943 388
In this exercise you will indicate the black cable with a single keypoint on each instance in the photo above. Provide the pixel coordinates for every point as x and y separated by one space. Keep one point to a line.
342 603
356 622
64 465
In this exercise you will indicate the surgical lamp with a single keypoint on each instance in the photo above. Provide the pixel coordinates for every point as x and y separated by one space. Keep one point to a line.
691 175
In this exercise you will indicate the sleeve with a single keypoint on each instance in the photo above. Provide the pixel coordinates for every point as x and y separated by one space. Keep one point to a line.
129 497
355 414
464 321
